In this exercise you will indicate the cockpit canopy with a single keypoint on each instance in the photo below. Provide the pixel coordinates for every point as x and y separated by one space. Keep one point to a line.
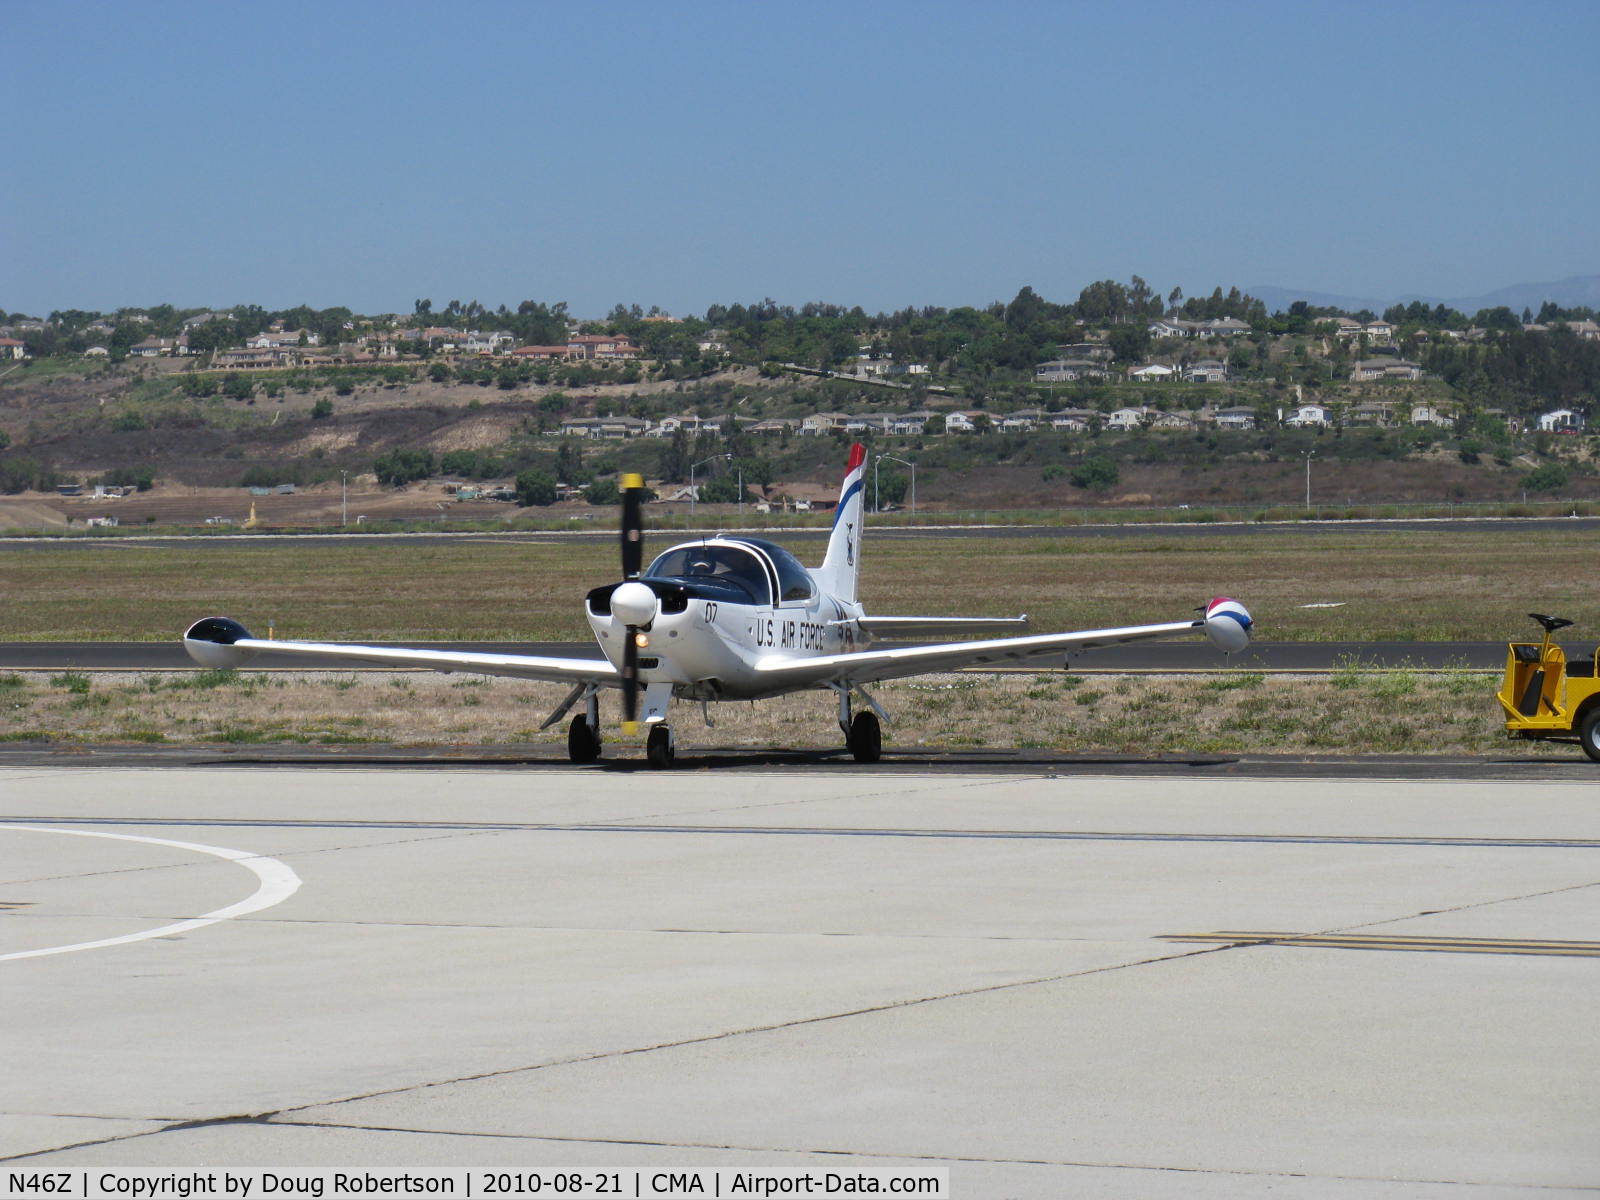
755 570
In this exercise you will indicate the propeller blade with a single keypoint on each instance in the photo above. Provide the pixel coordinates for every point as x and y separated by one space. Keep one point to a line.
630 682
632 526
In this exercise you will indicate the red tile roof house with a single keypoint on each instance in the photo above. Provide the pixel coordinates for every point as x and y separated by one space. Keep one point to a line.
600 345
11 348
541 352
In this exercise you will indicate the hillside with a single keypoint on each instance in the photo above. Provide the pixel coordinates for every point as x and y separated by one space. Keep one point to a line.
116 423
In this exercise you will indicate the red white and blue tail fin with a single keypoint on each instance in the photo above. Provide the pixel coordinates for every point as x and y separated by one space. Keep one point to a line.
838 571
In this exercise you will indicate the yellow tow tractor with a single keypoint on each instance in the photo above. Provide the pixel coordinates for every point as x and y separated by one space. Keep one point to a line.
1545 696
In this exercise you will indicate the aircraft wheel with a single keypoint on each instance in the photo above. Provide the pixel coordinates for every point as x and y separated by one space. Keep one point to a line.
659 748
866 737
583 743
1589 732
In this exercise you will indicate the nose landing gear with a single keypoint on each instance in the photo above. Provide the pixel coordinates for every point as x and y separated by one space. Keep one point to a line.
660 749
583 741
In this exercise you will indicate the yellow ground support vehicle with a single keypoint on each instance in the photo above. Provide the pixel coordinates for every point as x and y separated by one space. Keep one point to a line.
1545 696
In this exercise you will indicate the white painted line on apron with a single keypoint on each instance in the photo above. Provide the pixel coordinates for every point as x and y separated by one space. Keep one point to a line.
278 883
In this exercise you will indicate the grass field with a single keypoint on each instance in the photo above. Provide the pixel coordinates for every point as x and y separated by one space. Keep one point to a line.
1350 712
1406 585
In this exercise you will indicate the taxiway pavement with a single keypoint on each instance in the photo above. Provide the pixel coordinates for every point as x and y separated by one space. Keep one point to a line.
1052 985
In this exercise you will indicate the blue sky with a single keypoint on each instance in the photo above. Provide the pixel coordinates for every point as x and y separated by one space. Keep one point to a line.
880 154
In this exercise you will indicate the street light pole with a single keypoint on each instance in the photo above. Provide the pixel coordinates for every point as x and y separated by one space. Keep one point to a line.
1308 455
905 462
694 493
344 498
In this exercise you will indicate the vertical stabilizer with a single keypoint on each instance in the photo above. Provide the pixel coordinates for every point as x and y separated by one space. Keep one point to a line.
838 571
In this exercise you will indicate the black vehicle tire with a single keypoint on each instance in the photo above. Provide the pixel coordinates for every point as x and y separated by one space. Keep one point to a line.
1589 732
658 749
866 738
583 743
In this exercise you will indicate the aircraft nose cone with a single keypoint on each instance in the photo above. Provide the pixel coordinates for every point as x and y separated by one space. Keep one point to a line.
633 604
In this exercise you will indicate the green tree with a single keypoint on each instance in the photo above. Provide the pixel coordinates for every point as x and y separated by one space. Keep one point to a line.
1130 343
322 408
399 467
604 491
535 488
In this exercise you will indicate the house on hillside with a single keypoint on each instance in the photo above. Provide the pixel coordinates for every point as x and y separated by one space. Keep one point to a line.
12 348
1427 414
1067 370
1072 420
909 424
494 342
823 422
1237 416
1131 418
965 421
1173 327
1152 373
159 347
1385 368
1369 415
1304 415
1207 370
602 347
611 428
1561 420
775 425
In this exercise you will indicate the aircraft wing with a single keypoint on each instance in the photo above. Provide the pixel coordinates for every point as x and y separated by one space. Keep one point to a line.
934 626
1225 622
218 642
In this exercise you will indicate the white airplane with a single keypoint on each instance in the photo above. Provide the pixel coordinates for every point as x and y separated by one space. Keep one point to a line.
734 618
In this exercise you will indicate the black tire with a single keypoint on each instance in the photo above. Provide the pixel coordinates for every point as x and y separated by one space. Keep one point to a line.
1589 732
583 743
866 738
658 749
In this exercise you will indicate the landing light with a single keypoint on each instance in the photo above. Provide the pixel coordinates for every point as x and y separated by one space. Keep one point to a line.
641 640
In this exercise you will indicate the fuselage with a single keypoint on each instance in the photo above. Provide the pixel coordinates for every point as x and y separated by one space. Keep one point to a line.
724 604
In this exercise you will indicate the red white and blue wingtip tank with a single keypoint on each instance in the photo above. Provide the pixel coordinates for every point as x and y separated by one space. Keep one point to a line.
1228 625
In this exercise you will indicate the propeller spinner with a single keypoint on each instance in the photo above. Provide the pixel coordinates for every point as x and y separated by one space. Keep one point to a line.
633 603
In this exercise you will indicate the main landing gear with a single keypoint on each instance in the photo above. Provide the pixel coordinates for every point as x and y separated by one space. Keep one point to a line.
863 736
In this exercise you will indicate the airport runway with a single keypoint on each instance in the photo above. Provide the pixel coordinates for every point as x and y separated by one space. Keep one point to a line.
1197 655
1147 985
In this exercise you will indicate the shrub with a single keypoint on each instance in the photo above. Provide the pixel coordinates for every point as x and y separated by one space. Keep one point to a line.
322 408
1551 477
1096 473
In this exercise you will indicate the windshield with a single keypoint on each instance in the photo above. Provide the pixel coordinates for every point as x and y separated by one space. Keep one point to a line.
794 581
728 565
